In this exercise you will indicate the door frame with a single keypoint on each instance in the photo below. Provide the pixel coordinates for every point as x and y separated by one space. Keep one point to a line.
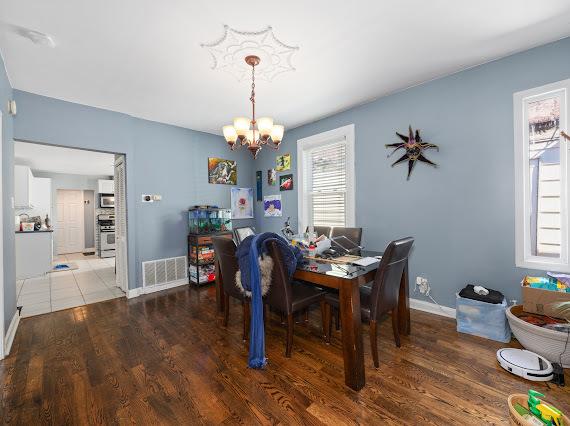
2 334
82 219
128 228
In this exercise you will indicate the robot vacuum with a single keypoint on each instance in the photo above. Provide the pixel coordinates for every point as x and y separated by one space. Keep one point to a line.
525 364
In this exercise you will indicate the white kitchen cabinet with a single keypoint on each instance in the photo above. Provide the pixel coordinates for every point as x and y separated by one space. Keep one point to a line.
34 254
23 182
106 186
41 197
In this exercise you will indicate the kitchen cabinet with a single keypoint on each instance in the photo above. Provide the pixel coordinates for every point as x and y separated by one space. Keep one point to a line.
106 186
34 254
41 197
23 183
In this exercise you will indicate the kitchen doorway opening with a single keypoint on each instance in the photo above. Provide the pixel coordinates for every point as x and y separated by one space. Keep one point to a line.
71 227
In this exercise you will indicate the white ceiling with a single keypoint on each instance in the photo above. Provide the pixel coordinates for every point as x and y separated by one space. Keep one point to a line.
143 57
55 159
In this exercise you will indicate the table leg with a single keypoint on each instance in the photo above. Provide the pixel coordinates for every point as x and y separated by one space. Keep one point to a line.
352 346
404 303
219 288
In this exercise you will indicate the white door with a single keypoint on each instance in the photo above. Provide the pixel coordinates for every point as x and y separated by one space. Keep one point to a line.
69 230
121 224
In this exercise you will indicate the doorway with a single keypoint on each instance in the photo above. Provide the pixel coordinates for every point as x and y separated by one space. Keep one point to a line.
85 242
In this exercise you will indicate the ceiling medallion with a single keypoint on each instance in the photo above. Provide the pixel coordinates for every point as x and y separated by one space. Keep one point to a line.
230 50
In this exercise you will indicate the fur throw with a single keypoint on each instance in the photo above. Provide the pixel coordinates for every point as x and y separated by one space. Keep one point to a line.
266 269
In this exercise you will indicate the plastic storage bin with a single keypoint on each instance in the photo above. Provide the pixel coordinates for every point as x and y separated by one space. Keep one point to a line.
488 320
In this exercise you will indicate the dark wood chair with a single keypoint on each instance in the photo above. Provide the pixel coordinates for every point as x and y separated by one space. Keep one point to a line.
242 233
226 256
288 296
382 296
321 230
353 234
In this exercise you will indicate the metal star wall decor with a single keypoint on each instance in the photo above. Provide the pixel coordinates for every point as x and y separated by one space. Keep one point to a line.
414 147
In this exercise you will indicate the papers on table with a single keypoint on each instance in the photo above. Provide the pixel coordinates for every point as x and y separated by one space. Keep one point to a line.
365 261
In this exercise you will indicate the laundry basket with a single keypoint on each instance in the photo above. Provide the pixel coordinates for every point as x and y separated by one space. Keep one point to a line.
483 319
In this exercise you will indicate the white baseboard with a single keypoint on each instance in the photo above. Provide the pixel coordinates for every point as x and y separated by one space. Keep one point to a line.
135 292
432 308
11 333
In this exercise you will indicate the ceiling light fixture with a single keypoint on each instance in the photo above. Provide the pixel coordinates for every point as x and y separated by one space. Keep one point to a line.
251 132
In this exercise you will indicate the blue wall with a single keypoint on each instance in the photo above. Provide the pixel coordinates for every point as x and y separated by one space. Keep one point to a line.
161 159
7 189
461 214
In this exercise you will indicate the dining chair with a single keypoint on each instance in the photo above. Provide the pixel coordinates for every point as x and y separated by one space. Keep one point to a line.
321 230
353 234
382 296
242 233
288 296
225 249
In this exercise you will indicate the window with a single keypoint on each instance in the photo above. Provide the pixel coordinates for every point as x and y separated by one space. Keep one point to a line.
541 177
326 179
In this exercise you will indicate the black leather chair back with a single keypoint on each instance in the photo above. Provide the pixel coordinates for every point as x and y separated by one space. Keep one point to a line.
386 286
226 255
353 234
280 295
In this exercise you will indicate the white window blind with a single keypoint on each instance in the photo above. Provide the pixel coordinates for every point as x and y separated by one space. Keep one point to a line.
328 184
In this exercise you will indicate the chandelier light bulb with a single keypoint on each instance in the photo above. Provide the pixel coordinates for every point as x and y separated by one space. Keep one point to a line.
241 125
264 125
277 133
230 134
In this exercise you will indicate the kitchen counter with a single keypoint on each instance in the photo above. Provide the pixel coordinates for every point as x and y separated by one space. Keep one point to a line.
34 232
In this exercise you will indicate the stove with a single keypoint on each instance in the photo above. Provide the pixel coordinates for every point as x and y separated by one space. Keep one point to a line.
106 229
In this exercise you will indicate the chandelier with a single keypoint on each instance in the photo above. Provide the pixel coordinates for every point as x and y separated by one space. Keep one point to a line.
251 132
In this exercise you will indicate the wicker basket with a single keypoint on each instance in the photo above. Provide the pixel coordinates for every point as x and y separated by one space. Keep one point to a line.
548 343
516 419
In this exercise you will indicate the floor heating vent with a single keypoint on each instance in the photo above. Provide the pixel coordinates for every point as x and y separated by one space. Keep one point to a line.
162 272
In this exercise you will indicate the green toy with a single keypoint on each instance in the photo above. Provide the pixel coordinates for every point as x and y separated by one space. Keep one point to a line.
549 415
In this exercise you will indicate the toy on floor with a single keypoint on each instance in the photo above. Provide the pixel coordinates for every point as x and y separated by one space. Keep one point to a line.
549 415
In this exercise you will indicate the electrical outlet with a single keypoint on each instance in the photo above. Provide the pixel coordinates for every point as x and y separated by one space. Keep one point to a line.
422 285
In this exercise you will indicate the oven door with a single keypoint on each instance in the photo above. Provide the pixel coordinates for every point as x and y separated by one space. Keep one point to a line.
108 240
107 201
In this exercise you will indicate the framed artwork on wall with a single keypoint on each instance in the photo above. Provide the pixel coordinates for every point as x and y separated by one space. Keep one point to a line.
272 206
242 203
259 185
283 162
222 171
286 182
271 177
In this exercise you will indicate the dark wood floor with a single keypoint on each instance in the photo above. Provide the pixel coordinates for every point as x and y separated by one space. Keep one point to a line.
164 359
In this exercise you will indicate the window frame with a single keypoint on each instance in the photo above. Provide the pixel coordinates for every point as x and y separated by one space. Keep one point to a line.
523 256
304 147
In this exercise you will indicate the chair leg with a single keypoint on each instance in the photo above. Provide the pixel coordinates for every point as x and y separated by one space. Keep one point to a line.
374 343
281 318
290 324
337 319
306 316
226 310
326 314
395 327
246 320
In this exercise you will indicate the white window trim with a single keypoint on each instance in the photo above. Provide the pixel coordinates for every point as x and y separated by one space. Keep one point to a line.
306 144
523 258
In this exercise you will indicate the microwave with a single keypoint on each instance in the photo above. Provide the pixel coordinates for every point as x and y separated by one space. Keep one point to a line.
107 201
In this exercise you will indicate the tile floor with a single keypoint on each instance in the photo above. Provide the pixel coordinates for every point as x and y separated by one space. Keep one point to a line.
93 281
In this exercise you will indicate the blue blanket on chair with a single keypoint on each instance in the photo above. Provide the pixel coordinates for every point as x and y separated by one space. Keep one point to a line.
248 253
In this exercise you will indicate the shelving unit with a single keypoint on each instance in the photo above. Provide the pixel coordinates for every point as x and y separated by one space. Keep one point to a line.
204 223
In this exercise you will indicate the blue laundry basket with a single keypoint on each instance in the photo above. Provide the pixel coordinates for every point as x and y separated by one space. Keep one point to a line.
488 320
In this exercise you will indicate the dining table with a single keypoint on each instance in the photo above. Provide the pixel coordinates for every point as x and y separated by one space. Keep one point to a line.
347 279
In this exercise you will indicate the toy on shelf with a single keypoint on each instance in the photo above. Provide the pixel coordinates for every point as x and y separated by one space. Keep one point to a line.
549 415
